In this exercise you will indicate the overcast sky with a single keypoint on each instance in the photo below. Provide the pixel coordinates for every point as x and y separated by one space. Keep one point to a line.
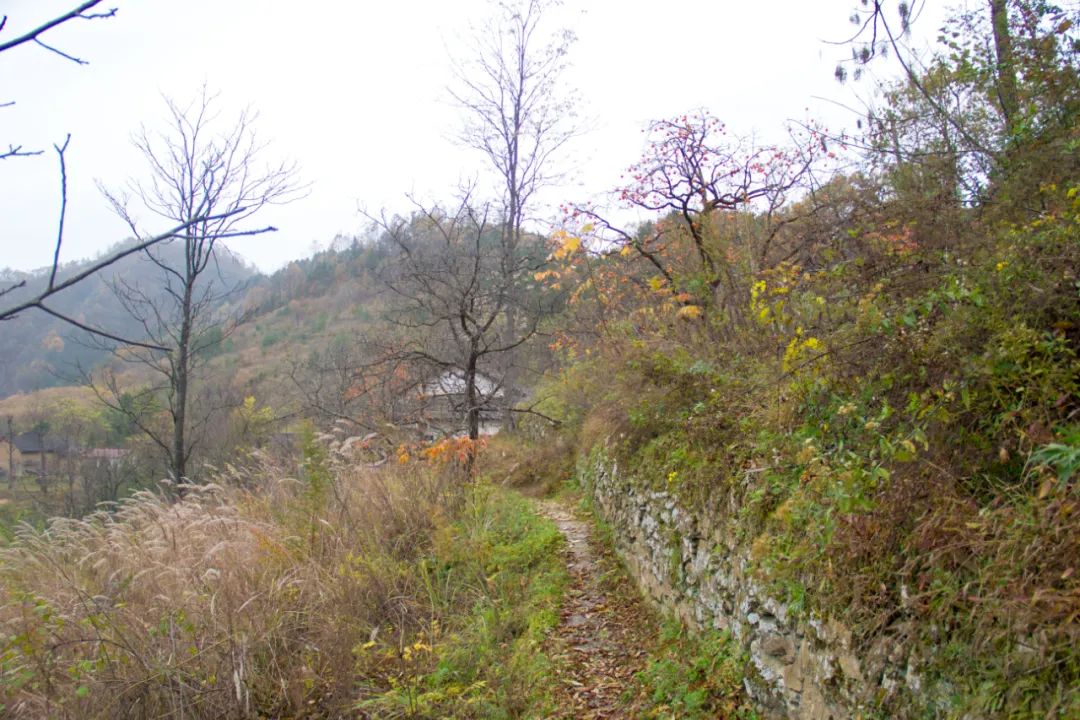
355 93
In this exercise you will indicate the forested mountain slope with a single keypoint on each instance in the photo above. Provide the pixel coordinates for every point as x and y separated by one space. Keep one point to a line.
39 350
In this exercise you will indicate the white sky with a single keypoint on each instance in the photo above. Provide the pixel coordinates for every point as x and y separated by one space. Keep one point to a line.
355 93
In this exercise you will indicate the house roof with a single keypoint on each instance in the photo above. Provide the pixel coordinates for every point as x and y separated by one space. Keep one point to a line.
452 382
104 453
35 442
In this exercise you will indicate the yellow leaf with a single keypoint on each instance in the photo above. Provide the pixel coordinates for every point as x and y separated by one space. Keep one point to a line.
689 312
567 248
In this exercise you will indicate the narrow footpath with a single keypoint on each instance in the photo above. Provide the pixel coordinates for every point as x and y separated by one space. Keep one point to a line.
599 645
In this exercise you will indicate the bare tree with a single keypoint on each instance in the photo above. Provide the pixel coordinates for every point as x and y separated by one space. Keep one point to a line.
519 116
57 285
454 293
210 181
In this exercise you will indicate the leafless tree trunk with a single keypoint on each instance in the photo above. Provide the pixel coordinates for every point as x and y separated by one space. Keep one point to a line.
11 451
1008 98
209 181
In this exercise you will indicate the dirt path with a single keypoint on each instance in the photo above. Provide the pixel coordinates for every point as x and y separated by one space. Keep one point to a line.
598 645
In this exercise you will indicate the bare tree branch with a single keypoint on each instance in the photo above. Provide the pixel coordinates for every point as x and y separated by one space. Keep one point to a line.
16 150
97 331
11 312
60 150
33 35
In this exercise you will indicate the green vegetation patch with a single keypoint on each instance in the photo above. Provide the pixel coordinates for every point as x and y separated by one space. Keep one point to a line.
485 660
693 677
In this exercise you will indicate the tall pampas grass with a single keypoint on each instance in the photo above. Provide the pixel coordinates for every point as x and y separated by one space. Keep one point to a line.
244 599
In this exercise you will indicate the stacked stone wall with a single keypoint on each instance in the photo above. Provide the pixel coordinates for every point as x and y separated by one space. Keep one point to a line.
690 563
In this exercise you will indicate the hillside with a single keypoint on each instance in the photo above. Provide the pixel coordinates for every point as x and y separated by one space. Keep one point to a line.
318 299
41 351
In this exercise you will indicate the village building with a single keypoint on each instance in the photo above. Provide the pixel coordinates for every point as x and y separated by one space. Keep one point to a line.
105 456
31 453
443 406
35 453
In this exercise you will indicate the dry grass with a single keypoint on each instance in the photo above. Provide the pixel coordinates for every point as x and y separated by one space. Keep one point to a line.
231 603
533 466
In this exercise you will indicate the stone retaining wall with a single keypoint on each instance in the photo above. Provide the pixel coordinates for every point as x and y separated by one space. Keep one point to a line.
691 565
